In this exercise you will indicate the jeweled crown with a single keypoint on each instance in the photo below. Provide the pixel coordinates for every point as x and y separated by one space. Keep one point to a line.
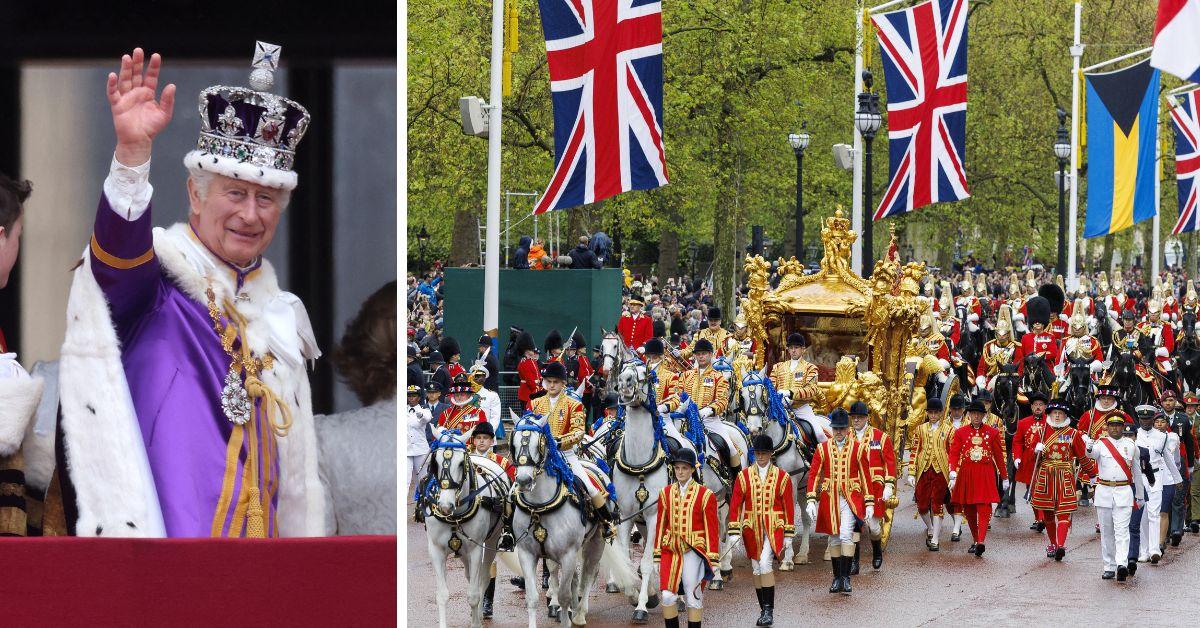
251 133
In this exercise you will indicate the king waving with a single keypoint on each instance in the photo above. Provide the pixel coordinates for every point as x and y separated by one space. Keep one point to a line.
186 408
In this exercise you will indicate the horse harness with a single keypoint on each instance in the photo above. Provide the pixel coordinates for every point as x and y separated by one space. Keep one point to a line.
455 521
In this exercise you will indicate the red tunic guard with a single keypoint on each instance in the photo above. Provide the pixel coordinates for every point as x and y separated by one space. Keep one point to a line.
762 508
685 523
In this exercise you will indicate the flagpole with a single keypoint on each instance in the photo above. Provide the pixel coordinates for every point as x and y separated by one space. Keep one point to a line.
1072 222
491 265
856 211
1135 53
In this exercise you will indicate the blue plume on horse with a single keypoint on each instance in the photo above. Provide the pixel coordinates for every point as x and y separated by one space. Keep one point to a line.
693 425
554 465
745 430
776 411
612 490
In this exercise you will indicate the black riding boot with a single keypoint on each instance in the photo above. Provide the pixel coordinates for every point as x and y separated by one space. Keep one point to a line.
846 575
671 622
693 624
766 602
487 598
876 553
836 564
854 560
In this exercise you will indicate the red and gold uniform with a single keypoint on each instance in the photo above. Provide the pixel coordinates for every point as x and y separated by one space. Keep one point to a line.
687 522
1044 344
800 377
666 379
839 473
463 418
976 458
635 330
1058 327
996 353
762 509
1054 479
567 419
931 465
1080 347
530 375
1029 432
1163 337
707 387
504 463
720 339
881 460
936 344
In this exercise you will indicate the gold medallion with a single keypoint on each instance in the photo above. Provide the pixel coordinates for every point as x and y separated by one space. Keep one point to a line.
539 534
454 543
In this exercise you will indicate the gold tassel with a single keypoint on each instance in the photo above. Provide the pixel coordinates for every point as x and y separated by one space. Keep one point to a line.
1082 120
868 29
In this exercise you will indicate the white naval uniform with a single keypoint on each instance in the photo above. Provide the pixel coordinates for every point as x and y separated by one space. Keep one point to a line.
1165 473
1114 501
489 402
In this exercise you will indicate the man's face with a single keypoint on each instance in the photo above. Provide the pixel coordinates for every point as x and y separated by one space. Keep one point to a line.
553 385
840 433
1038 407
976 418
1146 422
859 421
635 308
762 458
1168 405
462 397
1057 416
1038 327
235 219
434 396
933 416
795 352
482 443
1127 324
683 471
1190 408
956 414
531 354
1160 424
414 400
703 358
1115 430
10 245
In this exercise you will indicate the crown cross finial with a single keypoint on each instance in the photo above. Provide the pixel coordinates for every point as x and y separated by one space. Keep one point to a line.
266 61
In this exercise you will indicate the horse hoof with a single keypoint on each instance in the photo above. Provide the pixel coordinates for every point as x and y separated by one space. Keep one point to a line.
803 560
552 612
652 601
786 566
612 588
640 617
716 585
727 574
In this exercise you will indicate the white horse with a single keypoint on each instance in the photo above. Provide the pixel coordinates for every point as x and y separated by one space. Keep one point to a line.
640 472
467 495
793 450
548 520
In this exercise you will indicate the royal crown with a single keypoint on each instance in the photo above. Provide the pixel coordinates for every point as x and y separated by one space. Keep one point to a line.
250 133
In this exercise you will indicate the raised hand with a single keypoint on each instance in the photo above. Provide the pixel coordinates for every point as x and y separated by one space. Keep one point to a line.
138 117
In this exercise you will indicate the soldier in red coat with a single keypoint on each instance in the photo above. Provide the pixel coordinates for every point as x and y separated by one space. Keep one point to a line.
839 494
881 457
528 370
686 542
635 328
1059 453
462 414
482 439
1040 340
1029 432
976 458
763 511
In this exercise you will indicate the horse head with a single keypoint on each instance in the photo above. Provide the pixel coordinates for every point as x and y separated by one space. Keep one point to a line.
754 401
530 449
610 350
452 468
632 382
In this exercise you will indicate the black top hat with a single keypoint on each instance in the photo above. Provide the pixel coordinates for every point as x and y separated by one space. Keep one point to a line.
702 346
762 442
684 455
859 408
934 405
554 370
976 406
958 401
796 339
654 346
714 313
839 418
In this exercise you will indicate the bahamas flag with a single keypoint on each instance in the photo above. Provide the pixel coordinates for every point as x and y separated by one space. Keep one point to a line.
1122 130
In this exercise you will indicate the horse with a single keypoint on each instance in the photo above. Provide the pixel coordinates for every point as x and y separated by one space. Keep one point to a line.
551 520
1079 394
1187 351
1125 378
766 413
1008 408
968 345
467 493
640 470
1102 328
1036 376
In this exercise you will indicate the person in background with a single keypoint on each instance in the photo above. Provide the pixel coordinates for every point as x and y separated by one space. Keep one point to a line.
418 420
492 382
582 258
358 447
435 400
520 258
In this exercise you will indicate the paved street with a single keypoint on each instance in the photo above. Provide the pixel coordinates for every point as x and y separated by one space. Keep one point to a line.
1014 581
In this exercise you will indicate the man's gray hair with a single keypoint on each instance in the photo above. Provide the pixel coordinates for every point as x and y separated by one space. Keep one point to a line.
202 179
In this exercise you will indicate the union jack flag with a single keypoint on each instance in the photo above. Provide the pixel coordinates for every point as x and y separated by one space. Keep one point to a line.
1186 116
606 81
924 50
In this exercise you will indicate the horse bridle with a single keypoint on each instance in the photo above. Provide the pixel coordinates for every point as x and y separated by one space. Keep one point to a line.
521 453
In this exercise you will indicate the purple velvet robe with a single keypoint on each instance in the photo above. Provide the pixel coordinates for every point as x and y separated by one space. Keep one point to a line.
176 370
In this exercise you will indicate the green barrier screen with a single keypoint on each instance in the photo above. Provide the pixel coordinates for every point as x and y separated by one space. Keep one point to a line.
534 300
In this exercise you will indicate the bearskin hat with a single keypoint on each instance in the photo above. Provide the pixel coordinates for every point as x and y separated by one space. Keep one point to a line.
553 341
449 347
1055 295
525 343
577 340
1038 310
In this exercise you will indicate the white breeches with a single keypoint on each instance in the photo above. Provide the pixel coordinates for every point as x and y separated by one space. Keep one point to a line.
818 423
845 522
1151 536
580 472
416 470
692 578
726 430
1114 535
766 557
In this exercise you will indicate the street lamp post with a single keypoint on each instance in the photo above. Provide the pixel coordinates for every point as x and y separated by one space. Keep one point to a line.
1062 150
867 119
422 242
799 142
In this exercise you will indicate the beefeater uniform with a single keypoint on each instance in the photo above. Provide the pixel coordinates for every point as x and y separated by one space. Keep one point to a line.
930 458
839 481
976 458
463 418
1118 485
1054 480
763 511
686 542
